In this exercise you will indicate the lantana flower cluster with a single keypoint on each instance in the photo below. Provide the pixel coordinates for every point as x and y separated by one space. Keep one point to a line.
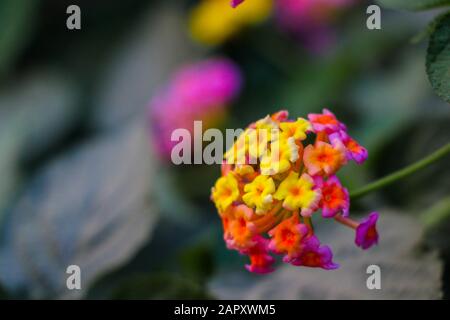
276 176
198 91
213 22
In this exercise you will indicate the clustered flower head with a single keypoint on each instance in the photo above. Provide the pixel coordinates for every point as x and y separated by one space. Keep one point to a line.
199 91
275 177
212 22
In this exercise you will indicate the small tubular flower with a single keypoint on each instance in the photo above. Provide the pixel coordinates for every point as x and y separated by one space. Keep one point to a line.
335 197
267 126
259 194
366 232
225 192
288 238
236 155
260 259
315 256
354 151
239 228
297 129
258 142
266 201
325 122
282 156
298 194
323 158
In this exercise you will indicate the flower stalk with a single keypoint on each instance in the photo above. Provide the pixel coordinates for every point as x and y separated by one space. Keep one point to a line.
402 173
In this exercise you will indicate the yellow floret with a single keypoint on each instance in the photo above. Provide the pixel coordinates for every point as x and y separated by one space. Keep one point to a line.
297 193
258 194
225 192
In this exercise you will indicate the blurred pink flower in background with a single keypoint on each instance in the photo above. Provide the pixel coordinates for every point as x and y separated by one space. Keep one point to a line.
235 3
310 20
199 91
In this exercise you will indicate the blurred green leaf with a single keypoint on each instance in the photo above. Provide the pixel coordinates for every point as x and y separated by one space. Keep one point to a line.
428 30
324 82
173 199
413 4
151 51
438 58
164 253
159 286
437 224
16 22
389 101
198 261
3 294
92 207
10 147
437 214
36 115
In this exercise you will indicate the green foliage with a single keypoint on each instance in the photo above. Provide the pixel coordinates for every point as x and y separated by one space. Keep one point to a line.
438 55
438 58
3 294
159 286
198 261
101 220
437 222
322 82
16 17
413 4
429 29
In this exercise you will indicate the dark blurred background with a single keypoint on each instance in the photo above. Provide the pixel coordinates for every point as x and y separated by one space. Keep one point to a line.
81 184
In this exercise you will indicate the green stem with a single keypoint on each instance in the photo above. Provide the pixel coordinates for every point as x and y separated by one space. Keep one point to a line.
402 173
